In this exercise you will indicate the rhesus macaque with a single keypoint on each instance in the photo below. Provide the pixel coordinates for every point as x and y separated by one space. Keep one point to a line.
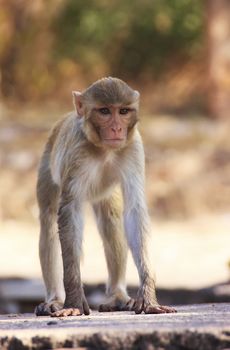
95 154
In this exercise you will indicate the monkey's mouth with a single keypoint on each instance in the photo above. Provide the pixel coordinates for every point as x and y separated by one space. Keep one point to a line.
114 142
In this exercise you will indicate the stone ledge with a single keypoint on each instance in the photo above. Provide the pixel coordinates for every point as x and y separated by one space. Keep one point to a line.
194 327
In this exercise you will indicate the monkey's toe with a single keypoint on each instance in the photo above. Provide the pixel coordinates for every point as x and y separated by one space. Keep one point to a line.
46 309
154 309
117 305
149 308
168 309
67 312
158 309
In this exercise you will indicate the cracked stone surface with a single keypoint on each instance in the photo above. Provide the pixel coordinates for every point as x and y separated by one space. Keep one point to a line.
198 327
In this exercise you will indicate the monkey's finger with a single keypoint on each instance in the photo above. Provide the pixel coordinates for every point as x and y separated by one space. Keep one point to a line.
129 306
55 307
57 313
60 313
75 312
104 308
138 307
86 307
67 312
116 308
110 307
41 310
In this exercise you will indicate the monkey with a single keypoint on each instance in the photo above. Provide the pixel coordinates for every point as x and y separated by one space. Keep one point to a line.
95 154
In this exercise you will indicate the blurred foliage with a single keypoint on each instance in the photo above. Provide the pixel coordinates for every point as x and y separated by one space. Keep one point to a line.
46 45
131 37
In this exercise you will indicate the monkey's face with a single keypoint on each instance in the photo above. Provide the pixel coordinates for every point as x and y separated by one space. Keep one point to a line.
113 124
109 108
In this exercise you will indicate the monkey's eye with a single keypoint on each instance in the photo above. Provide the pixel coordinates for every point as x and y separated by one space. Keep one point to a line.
104 110
124 111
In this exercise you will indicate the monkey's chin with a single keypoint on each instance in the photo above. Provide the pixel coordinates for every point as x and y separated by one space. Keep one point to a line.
114 143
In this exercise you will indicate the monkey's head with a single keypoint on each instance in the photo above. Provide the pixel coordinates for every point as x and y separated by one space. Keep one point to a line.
110 111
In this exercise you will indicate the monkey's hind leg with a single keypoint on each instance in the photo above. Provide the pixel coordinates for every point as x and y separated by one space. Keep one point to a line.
109 219
49 246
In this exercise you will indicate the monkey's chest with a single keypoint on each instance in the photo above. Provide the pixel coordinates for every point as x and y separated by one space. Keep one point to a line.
99 180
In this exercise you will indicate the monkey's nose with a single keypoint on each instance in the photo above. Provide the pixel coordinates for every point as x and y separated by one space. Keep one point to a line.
116 129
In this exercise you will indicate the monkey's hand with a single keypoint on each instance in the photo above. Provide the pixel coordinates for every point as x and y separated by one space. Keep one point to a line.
146 301
47 308
77 309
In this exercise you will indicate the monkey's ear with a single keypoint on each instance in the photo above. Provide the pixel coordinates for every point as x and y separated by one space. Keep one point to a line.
136 95
77 101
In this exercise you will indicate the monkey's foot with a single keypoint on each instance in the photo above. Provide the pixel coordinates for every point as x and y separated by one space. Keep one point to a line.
117 305
149 308
46 309
67 312
73 311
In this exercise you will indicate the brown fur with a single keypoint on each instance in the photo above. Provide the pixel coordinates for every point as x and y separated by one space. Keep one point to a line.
78 165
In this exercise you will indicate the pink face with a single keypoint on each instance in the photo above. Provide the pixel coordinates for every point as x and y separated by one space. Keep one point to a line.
109 112
113 123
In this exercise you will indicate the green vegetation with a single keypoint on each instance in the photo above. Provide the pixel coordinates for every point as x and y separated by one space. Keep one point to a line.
134 39
131 37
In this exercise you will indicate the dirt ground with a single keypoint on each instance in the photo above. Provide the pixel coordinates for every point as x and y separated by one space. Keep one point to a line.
193 327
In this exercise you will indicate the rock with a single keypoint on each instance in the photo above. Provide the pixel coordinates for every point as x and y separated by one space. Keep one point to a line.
194 327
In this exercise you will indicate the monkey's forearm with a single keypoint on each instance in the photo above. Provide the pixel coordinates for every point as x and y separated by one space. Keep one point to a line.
136 226
136 222
70 233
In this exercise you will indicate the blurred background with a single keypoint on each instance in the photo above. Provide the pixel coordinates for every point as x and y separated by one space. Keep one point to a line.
177 54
